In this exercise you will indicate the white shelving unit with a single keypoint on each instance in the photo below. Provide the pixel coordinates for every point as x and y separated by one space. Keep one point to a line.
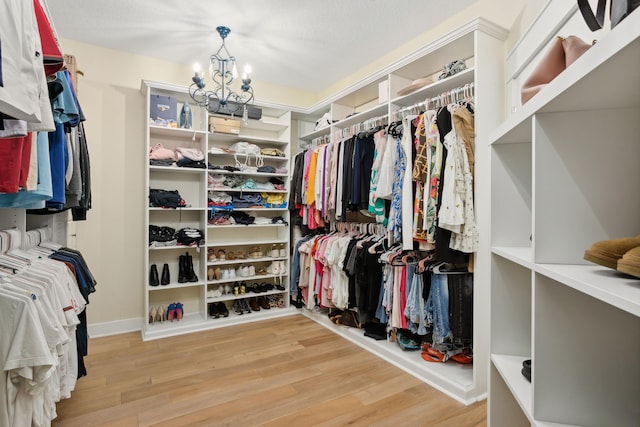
272 131
481 44
564 175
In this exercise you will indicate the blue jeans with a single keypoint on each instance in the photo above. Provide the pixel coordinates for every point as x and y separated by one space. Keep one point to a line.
438 307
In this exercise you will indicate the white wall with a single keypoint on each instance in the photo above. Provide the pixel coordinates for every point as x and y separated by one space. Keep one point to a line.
112 237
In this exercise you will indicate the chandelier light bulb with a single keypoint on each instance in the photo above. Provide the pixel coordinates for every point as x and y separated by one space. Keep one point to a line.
234 70
197 68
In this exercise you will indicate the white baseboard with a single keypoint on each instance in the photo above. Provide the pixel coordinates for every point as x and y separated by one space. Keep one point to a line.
115 327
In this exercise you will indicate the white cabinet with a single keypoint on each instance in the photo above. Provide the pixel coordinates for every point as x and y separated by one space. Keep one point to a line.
199 297
481 44
564 174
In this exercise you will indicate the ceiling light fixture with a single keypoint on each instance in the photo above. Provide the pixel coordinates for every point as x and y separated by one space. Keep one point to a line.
223 71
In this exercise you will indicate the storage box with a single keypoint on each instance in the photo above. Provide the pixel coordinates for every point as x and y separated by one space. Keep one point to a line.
163 110
224 125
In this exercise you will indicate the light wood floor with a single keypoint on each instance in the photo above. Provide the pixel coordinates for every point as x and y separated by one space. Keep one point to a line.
284 372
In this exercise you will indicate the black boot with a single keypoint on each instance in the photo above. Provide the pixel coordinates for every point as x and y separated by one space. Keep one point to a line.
166 277
191 275
153 276
182 272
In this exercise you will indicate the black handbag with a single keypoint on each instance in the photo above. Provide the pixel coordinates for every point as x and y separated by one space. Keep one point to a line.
620 9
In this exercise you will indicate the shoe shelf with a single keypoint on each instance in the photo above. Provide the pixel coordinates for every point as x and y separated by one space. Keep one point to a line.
245 296
246 243
175 285
246 278
436 88
246 261
520 255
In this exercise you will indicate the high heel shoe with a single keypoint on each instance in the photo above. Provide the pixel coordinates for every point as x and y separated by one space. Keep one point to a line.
179 311
152 315
160 314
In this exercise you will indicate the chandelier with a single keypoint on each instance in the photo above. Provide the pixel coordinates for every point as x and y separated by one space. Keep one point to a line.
223 71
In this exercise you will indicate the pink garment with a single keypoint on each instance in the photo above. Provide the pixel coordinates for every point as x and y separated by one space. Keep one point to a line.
158 152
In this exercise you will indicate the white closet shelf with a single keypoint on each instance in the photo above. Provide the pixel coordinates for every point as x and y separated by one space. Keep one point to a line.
175 285
176 169
241 156
436 88
252 243
247 278
519 255
268 124
169 248
604 284
176 132
246 190
248 173
316 134
510 368
212 227
245 261
245 296
451 378
229 138
259 209
155 209
377 111
195 322
589 76
598 282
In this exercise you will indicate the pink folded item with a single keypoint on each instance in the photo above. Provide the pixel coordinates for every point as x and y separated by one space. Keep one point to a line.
190 153
158 152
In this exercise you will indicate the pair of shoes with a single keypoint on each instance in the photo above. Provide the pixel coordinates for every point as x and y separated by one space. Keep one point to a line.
240 306
240 288
211 255
214 273
175 311
227 274
255 252
622 254
263 302
153 276
186 272
156 315
218 309
254 304
214 293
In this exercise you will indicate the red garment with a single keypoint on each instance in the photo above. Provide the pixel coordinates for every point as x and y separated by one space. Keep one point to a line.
403 296
52 55
15 156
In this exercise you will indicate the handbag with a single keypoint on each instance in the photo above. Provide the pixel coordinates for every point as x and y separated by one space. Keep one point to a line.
620 9
562 53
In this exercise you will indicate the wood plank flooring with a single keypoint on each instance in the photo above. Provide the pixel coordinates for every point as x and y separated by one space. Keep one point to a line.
283 372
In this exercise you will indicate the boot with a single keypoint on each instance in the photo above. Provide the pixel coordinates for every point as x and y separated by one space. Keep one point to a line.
188 263
153 276
166 277
182 272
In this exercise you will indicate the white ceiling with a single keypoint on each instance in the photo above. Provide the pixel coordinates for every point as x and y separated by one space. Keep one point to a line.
308 44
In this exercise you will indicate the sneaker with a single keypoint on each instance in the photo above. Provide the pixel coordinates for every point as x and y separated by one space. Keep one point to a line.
243 271
225 274
282 250
232 273
273 251
252 271
228 289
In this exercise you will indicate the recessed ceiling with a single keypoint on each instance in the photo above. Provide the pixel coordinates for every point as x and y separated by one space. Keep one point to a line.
297 43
